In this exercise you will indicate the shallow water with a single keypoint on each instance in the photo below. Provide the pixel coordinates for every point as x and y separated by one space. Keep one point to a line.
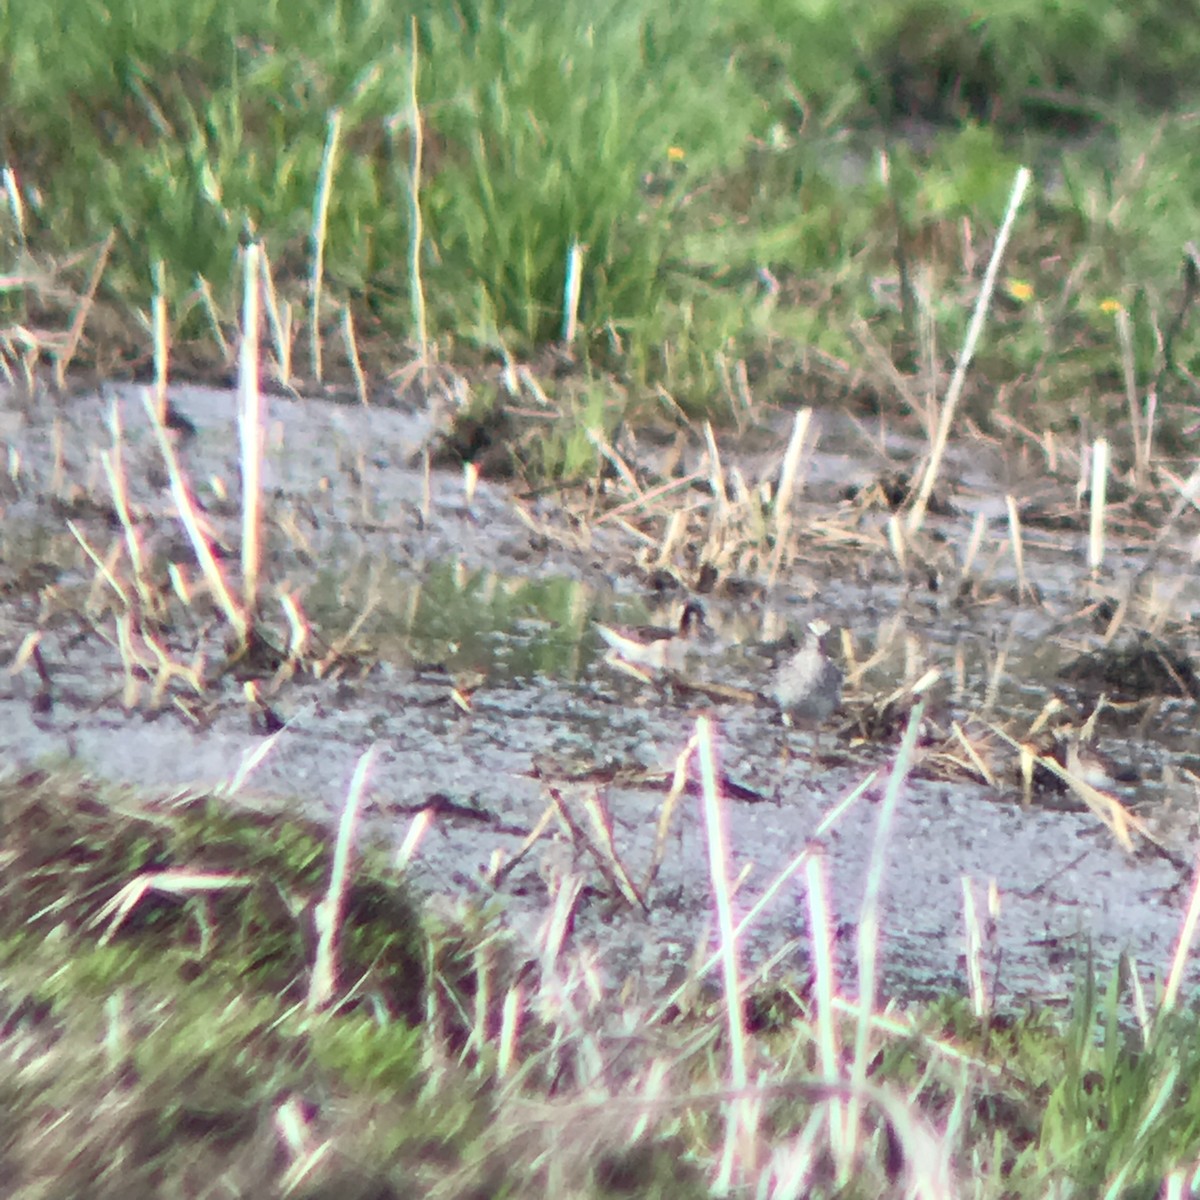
479 675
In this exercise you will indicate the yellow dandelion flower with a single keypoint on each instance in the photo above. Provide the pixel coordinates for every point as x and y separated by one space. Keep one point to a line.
676 153
1108 306
1019 289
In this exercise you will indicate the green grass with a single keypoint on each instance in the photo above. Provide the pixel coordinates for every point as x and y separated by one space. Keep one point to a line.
718 163
193 129
174 1063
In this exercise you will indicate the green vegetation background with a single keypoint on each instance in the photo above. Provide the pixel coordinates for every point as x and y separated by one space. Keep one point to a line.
754 180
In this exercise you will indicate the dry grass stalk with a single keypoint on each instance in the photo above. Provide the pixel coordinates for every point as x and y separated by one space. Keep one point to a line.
601 821
16 205
916 515
895 537
572 289
789 473
416 234
341 644
1141 1010
251 429
178 881
973 755
540 826
868 925
719 518
299 637
251 760
1049 710
204 291
995 680
470 473
773 890
738 1152
160 339
329 912
603 855
105 569
351 340
1183 948
23 349
915 689
1018 545
304 1152
568 886
279 318
679 779
320 230
656 494
1129 373
195 526
978 528
826 987
418 827
114 470
58 477
980 1000
25 652
1099 499
1107 808
63 360
835 814
511 1014
622 468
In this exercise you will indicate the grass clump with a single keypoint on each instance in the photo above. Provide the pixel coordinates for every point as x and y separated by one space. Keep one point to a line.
797 196
539 131
225 883
171 1042
178 1057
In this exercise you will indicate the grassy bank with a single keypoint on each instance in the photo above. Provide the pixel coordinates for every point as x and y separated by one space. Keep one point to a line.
161 1037
796 186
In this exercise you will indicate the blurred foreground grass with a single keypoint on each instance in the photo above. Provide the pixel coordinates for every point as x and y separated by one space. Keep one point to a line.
166 1048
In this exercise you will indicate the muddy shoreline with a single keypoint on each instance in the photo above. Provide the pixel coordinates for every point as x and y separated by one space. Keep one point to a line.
478 676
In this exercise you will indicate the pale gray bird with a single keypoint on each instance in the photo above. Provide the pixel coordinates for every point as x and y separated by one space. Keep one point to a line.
808 684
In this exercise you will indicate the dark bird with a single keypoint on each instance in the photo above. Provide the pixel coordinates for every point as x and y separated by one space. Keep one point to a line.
649 648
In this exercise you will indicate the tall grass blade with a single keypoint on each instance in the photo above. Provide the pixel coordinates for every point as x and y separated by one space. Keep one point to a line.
978 317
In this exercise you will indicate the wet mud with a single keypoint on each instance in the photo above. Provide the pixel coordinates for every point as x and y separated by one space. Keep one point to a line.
455 631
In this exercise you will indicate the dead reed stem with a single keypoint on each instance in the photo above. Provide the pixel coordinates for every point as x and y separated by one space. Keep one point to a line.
953 394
